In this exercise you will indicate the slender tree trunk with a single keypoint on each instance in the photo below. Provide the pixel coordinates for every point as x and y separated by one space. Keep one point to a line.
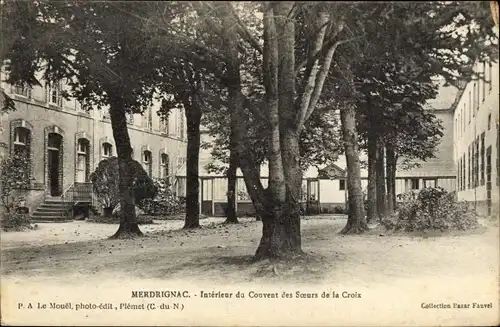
231 217
193 119
391 178
381 191
232 80
128 220
257 214
356 222
372 212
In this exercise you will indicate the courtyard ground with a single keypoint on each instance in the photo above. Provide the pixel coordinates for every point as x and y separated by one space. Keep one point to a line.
392 271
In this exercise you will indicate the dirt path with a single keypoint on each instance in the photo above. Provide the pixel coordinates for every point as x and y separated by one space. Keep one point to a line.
461 267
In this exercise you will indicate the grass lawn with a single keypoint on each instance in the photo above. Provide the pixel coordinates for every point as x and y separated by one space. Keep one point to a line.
391 271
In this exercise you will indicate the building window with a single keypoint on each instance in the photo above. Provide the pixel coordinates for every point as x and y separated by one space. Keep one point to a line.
476 97
430 182
464 173
82 161
21 136
147 119
474 155
163 165
150 119
489 121
22 148
468 171
130 119
482 158
474 100
83 146
460 181
179 124
464 176
342 184
490 80
163 125
476 178
147 159
415 184
182 126
54 94
484 80
22 90
107 150
473 165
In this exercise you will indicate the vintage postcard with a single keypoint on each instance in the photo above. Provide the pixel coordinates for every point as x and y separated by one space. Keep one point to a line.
254 163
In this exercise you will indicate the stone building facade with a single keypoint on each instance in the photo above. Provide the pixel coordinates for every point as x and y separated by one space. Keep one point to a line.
65 143
476 140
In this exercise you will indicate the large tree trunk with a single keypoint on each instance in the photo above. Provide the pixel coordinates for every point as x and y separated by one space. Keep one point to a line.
231 217
281 237
193 119
356 222
128 220
391 178
372 178
380 181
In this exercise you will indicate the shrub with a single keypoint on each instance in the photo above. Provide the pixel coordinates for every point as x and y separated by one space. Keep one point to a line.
338 210
165 202
431 209
14 176
14 221
105 181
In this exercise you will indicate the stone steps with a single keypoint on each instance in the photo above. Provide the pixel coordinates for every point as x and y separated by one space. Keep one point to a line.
51 210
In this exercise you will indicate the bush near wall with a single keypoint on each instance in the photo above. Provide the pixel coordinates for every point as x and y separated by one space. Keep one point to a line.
431 209
14 177
165 203
15 221
106 187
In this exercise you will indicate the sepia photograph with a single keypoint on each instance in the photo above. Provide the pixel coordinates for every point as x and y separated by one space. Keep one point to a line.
249 163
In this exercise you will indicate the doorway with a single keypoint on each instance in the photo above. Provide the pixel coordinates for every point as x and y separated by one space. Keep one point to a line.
54 167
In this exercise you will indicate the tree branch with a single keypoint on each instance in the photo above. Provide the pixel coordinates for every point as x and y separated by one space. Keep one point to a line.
203 13
320 80
305 95
244 32
324 49
255 108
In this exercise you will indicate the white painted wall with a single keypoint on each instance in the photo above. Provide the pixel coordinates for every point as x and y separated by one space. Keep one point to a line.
471 121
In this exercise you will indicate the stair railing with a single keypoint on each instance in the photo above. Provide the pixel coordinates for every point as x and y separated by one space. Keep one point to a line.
67 198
